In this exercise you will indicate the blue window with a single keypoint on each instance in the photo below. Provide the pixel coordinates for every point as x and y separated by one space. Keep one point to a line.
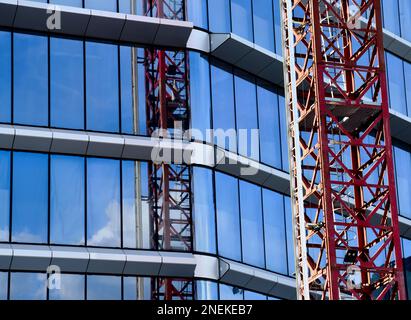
30 197
402 157
4 195
263 23
274 231
28 286
103 202
405 14
141 71
284 132
246 114
103 288
127 108
253 296
231 293
204 215
74 3
4 284
30 79
72 287
228 217
200 96
223 106
130 288
206 290
102 87
66 83
67 205
407 75
252 232
197 13
277 28
108 5
129 204
5 76
219 15
270 143
242 20
290 235
391 16
407 264
396 83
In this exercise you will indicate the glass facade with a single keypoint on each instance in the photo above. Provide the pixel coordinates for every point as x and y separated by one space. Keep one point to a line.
69 200
79 84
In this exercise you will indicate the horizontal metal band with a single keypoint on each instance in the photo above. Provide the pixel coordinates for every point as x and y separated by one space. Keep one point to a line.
38 258
89 23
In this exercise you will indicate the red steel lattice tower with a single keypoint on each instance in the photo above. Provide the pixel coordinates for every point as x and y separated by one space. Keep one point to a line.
346 230
167 109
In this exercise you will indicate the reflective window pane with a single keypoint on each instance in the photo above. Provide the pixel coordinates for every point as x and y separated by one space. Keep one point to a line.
219 15
200 96
252 232
263 23
130 236
283 127
206 290
108 5
197 12
66 83
28 286
391 15
274 231
246 116
222 87
5 76
130 288
231 293
30 197
396 83
270 144
402 157
277 28
253 296
405 14
102 90
242 20
71 287
290 236
4 195
67 204
103 202
30 79
126 74
103 288
74 3
228 217
4 283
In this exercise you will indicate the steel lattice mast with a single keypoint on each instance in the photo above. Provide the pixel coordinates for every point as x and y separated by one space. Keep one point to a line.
167 90
342 178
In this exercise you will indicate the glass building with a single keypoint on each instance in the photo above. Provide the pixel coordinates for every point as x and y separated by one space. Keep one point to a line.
74 186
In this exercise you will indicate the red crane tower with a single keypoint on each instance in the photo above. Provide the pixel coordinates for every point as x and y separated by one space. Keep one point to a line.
167 109
346 232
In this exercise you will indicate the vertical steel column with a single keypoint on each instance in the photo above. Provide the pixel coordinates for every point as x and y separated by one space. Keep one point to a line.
167 110
346 232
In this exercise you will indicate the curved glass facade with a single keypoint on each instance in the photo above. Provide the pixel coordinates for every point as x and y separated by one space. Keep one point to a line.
77 84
